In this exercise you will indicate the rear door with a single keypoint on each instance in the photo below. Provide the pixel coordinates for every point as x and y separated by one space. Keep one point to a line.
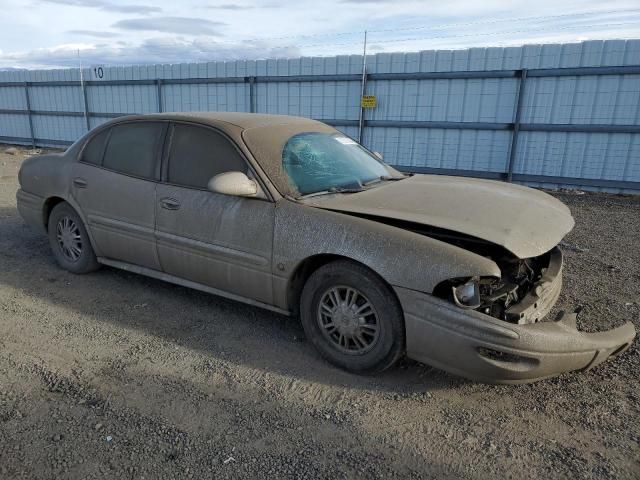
220 241
114 184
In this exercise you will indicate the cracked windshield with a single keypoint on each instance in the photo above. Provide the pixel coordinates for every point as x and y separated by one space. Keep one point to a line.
319 162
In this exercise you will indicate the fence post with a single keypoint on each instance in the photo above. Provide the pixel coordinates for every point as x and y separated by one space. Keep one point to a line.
28 100
252 94
516 123
159 94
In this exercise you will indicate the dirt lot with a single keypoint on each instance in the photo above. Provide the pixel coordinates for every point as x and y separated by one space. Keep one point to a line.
116 375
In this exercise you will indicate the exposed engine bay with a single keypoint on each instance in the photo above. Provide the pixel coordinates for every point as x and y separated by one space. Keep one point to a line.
497 297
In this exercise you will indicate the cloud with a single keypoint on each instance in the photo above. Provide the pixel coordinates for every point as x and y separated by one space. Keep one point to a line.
107 5
236 6
184 25
231 6
93 33
400 25
152 51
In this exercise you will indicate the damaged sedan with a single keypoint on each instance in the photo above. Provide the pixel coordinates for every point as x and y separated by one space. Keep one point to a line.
289 214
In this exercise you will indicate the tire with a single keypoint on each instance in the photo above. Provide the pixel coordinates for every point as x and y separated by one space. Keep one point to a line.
69 240
340 325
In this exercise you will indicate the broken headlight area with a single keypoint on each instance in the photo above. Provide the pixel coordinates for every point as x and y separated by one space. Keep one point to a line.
467 295
517 297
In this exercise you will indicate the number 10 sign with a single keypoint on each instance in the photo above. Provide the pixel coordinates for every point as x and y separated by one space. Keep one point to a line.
97 72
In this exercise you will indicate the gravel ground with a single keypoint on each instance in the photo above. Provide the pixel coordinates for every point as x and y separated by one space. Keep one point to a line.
117 375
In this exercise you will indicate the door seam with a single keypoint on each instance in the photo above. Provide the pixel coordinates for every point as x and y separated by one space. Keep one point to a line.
155 226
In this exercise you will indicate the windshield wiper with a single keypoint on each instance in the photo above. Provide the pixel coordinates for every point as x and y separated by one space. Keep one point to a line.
344 190
332 190
383 178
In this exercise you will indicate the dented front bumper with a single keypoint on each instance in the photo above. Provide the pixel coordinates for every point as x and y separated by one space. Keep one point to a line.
480 347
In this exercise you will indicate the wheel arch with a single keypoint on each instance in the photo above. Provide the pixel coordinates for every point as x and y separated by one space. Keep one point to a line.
308 266
51 202
48 206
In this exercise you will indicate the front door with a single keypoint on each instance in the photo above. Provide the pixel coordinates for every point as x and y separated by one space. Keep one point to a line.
114 184
220 241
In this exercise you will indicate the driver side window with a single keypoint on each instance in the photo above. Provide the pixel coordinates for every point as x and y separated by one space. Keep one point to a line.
198 153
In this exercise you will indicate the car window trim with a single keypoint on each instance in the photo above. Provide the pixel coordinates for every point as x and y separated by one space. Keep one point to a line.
165 124
167 149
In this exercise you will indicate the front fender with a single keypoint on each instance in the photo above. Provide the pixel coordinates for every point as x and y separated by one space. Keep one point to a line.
400 257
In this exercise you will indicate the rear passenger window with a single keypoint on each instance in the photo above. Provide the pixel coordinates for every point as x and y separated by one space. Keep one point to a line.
92 153
133 149
199 153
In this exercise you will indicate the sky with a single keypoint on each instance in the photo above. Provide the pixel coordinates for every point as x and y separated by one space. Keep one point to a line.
61 33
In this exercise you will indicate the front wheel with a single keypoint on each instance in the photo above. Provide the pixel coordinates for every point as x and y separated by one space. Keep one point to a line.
69 240
352 317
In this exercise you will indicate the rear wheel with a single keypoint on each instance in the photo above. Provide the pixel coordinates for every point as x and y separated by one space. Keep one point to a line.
69 240
352 317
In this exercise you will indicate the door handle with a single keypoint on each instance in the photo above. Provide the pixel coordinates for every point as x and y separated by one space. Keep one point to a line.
170 204
80 182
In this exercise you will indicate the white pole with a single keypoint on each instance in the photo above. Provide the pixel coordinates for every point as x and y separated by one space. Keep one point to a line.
84 92
362 87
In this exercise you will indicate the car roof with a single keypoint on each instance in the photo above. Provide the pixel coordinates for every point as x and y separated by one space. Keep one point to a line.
225 120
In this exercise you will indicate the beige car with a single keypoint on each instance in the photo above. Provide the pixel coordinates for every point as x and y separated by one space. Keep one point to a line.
291 215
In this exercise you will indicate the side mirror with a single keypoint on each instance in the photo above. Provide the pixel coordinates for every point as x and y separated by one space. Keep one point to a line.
233 183
378 154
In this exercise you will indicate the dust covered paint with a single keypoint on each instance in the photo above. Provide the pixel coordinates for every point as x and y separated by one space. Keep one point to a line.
525 221
457 273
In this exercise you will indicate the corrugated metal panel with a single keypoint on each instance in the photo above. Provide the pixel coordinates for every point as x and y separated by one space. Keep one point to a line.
121 99
58 128
613 99
597 99
12 125
12 98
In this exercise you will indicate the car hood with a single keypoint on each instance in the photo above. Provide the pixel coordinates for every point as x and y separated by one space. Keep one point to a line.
525 221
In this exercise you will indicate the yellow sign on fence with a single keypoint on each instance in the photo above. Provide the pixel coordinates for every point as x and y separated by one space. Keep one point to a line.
368 101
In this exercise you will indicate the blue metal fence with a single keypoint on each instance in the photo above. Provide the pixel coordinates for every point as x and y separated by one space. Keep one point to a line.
547 115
